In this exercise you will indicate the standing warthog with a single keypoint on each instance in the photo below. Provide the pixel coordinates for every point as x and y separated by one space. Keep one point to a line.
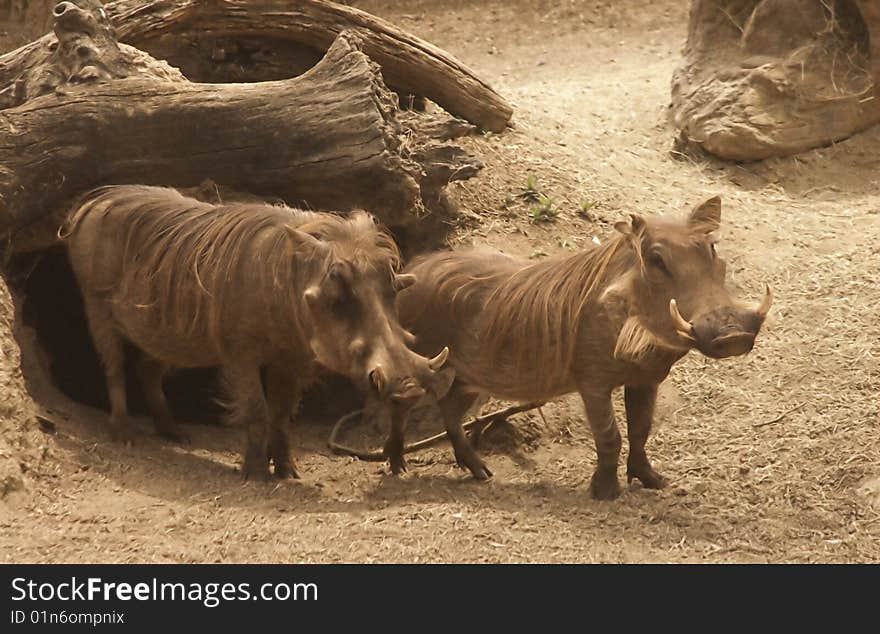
262 291
590 322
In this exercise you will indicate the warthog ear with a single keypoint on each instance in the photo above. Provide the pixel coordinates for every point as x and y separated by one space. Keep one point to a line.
636 226
635 230
403 280
302 241
706 217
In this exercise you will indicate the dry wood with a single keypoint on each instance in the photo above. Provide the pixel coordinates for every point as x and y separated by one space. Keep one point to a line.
81 111
478 424
780 417
870 10
269 35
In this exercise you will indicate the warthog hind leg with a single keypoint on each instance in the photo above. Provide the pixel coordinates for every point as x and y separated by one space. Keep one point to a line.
151 372
111 350
639 417
606 435
249 406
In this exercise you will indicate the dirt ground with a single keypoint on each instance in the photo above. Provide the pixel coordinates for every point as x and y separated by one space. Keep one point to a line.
771 457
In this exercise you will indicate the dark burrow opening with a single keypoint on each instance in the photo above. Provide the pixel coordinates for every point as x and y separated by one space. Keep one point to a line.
50 303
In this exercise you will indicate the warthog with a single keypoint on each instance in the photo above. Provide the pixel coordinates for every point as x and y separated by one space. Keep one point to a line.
609 316
261 291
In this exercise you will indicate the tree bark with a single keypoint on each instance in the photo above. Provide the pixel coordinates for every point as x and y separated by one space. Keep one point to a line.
90 112
248 40
870 10
764 78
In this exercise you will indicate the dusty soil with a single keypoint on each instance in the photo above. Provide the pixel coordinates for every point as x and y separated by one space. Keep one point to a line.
771 456
21 443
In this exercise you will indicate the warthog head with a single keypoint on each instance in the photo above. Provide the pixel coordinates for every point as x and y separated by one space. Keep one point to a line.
356 333
681 290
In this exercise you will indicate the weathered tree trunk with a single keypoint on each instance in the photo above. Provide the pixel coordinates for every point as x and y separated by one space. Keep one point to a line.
764 78
260 40
871 14
78 109
265 37
86 111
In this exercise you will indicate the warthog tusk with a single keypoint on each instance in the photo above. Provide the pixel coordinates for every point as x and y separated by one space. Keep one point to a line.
766 303
377 376
410 390
311 295
685 335
683 327
437 362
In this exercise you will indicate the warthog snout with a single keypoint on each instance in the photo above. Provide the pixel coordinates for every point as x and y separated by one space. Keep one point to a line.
403 391
411 382
727 331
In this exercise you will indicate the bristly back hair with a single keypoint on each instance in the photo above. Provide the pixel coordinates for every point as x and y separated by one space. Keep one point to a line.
537 310
186 257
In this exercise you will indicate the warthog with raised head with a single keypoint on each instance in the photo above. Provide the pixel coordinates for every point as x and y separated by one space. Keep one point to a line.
619 314
262 291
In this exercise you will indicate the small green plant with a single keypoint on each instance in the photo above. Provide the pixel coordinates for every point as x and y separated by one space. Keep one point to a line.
586 207
545 210
530 192
538 253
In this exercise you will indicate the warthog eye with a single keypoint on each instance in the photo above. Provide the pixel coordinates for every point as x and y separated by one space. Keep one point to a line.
656 261
344 307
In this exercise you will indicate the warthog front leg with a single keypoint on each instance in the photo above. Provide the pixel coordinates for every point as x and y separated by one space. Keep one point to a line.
606 435
151 373
640 402
249 403
111 350
396 438
454 406
283 394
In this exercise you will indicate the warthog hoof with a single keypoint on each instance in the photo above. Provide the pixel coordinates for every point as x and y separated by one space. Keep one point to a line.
394 452
649 478
482 474
475 465
398 464
604 485
256 465
285 469
256 473
122 433
174 434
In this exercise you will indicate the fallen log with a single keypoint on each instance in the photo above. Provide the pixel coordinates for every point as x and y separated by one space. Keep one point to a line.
248 40
870 10
86 111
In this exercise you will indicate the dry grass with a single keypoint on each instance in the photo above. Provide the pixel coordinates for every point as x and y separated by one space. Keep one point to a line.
766 453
